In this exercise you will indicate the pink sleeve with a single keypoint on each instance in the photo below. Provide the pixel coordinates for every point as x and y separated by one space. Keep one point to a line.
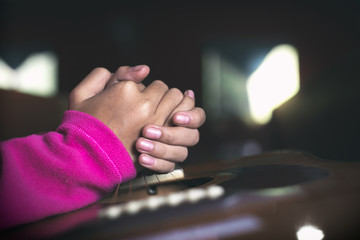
43 175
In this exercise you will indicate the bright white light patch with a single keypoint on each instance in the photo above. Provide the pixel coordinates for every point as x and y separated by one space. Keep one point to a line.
274 82
309 232
37 75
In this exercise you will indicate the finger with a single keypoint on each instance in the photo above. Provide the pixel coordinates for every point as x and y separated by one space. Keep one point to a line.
194 118
156 90
136 74
186 104
155 164
92 84
162 151
179 136
172 98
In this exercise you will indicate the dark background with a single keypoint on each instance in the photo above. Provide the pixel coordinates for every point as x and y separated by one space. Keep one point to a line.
169 37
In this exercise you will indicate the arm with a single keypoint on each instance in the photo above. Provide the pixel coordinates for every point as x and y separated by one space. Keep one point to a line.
89 154
60 171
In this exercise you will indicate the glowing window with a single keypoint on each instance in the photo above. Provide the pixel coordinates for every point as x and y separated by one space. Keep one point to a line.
248 82
37 75
274 82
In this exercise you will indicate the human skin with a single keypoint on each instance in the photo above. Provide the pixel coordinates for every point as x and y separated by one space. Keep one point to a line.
166 134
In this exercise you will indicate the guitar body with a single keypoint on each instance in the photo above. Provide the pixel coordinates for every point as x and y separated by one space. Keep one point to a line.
279 195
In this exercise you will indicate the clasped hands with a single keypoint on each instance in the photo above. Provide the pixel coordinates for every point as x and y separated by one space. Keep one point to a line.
155 124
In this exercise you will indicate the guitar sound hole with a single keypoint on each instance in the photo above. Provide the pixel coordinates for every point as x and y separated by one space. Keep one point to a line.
179 185
190 183
165 188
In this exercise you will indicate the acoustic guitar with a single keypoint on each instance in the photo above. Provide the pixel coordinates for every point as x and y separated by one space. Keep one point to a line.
278 195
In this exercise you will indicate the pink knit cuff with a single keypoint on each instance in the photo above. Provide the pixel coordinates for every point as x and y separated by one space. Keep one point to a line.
106 142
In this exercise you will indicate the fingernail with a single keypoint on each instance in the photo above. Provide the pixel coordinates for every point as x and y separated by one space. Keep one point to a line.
182 119
153 133
190 93
136 68
146 145
147 160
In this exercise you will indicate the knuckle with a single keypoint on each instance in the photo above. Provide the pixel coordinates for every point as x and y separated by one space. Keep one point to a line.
187 104
161 84
176 94
146 108
129 84
101 70
126 86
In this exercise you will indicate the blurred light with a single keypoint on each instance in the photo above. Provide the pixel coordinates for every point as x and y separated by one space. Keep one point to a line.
280 191
37 75
251 147
274 82
221 229
309 232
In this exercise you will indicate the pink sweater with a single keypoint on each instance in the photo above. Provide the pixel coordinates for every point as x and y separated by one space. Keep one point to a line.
57 172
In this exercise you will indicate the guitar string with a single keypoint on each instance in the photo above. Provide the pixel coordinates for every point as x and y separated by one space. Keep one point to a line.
157 178
146 184
116 196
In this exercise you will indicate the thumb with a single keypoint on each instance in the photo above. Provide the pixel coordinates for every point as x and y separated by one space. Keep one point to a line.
90 86
126 73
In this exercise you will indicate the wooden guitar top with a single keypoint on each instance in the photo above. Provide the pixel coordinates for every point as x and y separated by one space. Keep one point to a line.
278 195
